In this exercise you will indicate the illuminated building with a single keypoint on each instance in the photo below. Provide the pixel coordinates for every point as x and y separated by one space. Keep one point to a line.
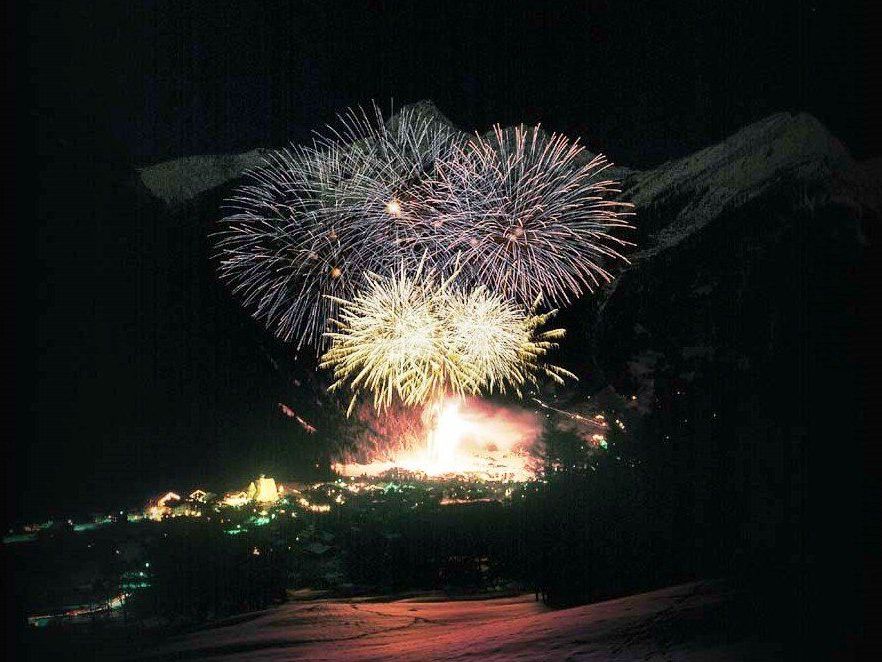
235 499
200 496
263 490
162 506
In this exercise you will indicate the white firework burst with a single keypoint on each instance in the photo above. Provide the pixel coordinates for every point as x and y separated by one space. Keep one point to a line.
529 215
313 220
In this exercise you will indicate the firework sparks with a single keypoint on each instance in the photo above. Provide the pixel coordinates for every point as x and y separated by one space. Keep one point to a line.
500 341
520 213
390 342
313 220
529 217
415 340
290 413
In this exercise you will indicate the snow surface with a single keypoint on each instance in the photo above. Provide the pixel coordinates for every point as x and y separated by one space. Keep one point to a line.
180 180
678 623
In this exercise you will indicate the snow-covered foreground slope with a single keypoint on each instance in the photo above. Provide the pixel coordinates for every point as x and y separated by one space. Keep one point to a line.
688 622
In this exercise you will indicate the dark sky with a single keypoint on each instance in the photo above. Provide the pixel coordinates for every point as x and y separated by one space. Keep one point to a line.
644 81
126 385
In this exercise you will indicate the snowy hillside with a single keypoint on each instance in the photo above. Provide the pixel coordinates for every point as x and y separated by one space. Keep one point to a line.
686 622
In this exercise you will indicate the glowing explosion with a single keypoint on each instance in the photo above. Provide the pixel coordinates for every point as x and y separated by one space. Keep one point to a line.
466 437
415 340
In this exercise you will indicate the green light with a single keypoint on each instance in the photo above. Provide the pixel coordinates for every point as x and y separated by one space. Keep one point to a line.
130 586
86 526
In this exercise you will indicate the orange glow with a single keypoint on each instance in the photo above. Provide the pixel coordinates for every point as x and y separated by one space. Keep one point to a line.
443 441
469 437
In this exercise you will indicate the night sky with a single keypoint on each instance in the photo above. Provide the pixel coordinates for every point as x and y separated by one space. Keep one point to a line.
125 387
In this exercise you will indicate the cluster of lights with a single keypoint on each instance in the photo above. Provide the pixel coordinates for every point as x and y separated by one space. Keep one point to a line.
263 493
338 493
314 507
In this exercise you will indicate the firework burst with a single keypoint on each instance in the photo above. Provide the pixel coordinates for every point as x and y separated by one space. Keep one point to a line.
311 221
528 215
501 342
416 340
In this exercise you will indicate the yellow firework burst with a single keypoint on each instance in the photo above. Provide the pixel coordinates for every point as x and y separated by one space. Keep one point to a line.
502 343
415 339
